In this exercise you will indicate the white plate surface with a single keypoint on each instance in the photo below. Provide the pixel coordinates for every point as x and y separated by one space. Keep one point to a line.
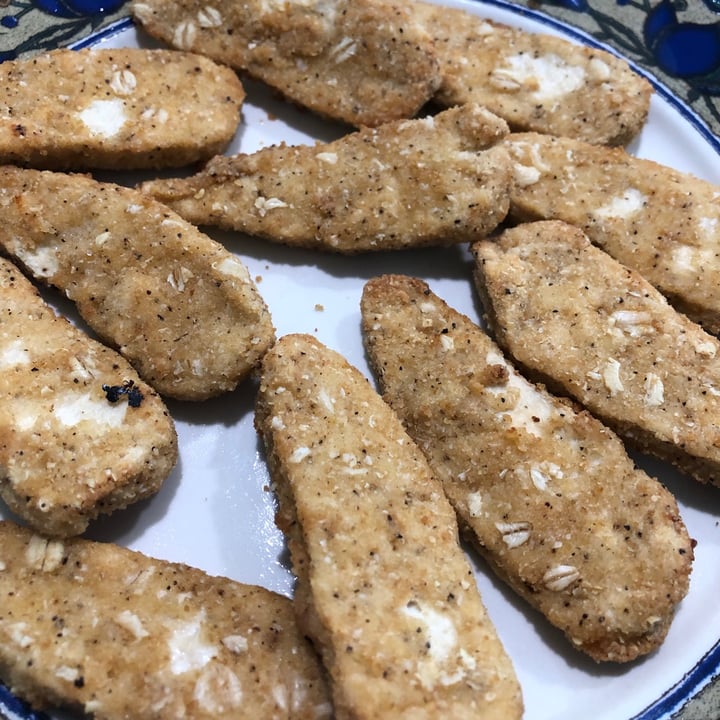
215 511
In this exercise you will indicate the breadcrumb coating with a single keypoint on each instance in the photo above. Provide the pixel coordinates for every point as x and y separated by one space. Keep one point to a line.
117 109
363 62
535 81
663 223
433 181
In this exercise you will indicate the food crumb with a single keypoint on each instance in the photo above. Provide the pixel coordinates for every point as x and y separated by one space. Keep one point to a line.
113 393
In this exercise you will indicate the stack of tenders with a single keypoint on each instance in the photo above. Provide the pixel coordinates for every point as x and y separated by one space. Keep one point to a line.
83 428
458 128
660 222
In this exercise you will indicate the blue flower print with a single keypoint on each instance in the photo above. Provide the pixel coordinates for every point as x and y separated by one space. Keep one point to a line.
682 49
69 19
78 8
687 50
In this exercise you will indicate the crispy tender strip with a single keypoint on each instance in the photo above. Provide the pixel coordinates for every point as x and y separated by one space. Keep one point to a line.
116 634
384 589
364 62
535 81
596 330
433 181
67 454
661 222
116 109
547 493
177 304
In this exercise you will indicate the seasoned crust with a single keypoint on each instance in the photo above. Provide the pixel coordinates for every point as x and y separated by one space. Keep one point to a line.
663 223
597 331
388 596
433 181
180 307
116 109
108 631
364 62
547 493
67 453
535 81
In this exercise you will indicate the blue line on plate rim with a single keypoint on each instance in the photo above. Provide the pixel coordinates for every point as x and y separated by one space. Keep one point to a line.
674 699
13 709
113 29
709 665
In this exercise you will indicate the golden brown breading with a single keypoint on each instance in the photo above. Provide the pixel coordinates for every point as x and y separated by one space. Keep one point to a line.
364 62
599 332
116 109
67 451
434 181
120 635
547 493
661 222
384 589
535 81
177 304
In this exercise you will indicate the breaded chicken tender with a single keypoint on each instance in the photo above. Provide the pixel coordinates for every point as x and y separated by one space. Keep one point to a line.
434 181
115 634
80 433
116 109
384 589
364 62
181 308
597 331
547 493
535 81
663 223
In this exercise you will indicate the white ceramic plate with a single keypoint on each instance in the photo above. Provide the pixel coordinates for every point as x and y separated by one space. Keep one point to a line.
216 513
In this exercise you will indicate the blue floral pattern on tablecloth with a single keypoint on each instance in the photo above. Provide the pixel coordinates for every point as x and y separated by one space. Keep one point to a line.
686 50
30 25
